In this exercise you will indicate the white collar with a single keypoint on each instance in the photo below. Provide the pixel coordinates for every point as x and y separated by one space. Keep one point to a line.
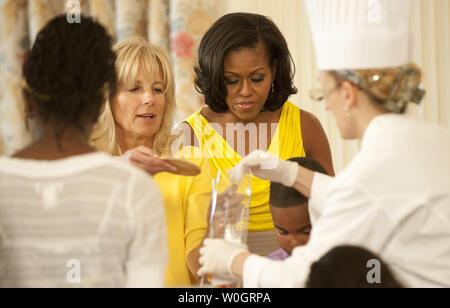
377 125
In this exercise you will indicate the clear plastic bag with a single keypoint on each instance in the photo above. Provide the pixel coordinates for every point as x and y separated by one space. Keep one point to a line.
229 218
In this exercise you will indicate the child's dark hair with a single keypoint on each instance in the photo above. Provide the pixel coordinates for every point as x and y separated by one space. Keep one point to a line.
67 72
282 196
347 267
237 31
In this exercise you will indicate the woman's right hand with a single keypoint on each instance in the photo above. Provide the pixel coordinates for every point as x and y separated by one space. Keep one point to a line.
147 160
266 166
228 210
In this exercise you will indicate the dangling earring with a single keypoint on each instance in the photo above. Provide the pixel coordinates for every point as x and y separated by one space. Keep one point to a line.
347 111
29 114
268 98
270 93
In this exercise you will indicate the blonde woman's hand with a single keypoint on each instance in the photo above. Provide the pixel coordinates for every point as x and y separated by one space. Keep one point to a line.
144 158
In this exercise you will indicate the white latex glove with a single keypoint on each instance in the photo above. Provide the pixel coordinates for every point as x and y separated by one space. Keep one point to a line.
266 166
217 256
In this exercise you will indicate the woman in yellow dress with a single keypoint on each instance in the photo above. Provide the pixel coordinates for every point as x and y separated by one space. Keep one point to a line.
245 73
136 124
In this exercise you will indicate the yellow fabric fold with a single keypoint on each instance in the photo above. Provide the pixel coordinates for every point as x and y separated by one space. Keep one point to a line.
286 143
186 201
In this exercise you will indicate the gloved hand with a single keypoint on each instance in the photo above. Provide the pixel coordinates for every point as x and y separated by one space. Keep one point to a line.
266 166
217 256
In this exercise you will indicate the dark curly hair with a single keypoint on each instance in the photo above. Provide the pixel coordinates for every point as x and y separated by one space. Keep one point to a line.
234 32
67 69
286 197
348 267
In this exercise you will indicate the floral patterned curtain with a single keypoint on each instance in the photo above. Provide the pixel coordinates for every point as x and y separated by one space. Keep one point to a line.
176 25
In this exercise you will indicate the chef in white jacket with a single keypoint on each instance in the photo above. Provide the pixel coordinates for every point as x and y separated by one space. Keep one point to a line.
394 197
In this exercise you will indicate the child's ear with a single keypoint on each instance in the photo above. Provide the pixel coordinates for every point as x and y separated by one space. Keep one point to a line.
30 109
25 56
30 106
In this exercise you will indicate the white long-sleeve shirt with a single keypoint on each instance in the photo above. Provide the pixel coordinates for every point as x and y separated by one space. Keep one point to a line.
85 221
393 199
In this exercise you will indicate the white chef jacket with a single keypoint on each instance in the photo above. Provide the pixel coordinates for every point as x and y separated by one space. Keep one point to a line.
393 199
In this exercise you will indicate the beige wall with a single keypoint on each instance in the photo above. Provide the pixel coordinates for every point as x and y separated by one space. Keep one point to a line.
431 30
430 27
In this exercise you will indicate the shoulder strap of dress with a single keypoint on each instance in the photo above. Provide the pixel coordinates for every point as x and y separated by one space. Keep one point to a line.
290 120
289 134
195 121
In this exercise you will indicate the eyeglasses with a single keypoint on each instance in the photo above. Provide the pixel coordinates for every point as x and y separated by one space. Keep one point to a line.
319 95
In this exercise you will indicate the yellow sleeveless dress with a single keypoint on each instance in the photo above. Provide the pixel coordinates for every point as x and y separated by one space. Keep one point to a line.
286 143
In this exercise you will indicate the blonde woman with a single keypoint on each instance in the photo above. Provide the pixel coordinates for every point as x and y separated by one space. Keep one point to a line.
136 124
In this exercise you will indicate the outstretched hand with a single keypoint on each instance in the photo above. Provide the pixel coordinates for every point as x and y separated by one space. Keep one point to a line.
144 158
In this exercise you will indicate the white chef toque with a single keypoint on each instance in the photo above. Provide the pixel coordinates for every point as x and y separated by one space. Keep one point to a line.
360 34
354 35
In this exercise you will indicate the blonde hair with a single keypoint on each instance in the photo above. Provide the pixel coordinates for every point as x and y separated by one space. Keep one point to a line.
392 88
133 54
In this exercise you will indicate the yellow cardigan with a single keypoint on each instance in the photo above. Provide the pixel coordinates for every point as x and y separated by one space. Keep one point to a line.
286 143
186 201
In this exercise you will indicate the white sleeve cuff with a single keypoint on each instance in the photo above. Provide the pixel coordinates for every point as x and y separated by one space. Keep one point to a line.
319 189
253 267
260 272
